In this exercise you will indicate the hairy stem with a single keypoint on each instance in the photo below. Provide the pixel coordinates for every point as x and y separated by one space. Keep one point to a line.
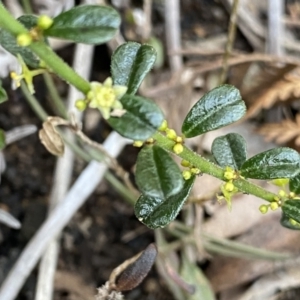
212 169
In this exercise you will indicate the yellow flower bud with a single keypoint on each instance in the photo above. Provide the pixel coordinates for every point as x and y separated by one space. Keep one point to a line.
229 186
178 139
44 22
178 148
171 134
24 39
292 195
274 205
282 194
163 126
229 175
186 174
150 140
185 163
80 104
138 144
195 171
264 208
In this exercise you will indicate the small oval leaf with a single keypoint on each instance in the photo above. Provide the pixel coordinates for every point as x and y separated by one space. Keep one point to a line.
135 273
294 184
275 163
156 212
220 107
130 64
8 42
89 24
291 209
230 150
157 174
3 95
286 222
141 119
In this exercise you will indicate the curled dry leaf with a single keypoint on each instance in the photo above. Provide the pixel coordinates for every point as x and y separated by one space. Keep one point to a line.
50 138
282 132
132 272
283 90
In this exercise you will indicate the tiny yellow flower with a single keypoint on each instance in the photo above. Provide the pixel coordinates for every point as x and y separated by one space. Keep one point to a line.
229 173
179 139
26 75
229 186
282 194
186 175
292 195
106 96
178 148
264 208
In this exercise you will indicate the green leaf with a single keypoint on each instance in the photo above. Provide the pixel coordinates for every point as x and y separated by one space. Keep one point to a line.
230 150
2 139
8 42
157 174
291 209
192 274
89 24
294 184
157 212
286 222
130 64
3 95
220 107
275 163
141 120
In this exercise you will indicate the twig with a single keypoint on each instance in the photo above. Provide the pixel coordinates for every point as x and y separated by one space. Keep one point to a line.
62 177
230 40
173 35
60 216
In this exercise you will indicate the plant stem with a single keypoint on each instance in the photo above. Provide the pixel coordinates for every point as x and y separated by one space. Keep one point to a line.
35 105
55 98
212 169
44 52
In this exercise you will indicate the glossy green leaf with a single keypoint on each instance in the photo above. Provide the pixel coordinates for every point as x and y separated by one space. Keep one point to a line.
294 184
157 174
286 222
220 107
3 95
8 42
2 139
291 209
275 163
89 24
130 64
141 120
157 212
192 274
230 150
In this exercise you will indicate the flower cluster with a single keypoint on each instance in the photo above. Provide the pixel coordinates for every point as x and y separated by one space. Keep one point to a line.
105 97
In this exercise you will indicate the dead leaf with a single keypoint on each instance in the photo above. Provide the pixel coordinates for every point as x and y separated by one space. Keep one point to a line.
50 138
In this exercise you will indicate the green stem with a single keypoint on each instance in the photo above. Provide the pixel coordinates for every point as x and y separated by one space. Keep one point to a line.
44 52
212 169
35 105
54 96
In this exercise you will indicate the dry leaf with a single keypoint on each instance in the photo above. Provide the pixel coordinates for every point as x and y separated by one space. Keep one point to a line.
282 132
283 90
50 138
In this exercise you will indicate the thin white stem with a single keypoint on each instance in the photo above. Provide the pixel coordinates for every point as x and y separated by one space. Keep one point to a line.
58 219
173 33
